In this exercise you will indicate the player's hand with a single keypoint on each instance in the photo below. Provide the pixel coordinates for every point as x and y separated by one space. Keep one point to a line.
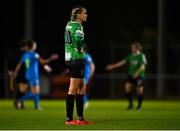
47 68
54 57
109 67
10 73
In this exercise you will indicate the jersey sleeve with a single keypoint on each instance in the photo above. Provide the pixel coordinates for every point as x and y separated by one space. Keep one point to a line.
89 59
143 59
79 36
36 56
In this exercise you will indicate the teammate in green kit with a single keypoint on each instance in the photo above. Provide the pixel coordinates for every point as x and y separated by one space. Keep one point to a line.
137 64
74 59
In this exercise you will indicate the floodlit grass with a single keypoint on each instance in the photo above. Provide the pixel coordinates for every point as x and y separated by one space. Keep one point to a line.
106 114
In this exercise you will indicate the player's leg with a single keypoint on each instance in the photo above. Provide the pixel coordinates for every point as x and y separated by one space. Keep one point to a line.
80 100
80 105
128 91
139 91
27 96
74 83
80 95
22 89
36 93
85 99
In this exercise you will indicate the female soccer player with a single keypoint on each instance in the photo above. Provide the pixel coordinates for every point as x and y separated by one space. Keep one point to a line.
31 60
137 63
74 59
20 84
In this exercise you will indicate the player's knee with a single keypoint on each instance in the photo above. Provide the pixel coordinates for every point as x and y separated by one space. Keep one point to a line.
23 87
81 90
140 90
72 91
127 87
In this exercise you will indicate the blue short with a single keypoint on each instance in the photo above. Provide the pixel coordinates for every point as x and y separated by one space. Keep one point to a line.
33 83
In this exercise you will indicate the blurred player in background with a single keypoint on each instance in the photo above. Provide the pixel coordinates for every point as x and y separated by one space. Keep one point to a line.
74 59
137 64
89 72
20 85
31 60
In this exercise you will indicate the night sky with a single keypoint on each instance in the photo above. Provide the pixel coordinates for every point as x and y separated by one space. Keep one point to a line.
118 22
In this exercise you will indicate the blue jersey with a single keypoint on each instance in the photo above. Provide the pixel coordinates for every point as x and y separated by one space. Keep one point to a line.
88 62
31 61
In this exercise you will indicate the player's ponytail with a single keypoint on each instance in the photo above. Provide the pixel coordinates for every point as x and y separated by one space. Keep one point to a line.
75 11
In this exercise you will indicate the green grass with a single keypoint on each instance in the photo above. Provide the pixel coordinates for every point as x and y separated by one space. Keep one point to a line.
105 114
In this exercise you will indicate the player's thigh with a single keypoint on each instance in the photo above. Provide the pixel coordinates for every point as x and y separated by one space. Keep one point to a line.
82 88
74 85
128 86
139 85
35 89
23 87
34 85
140 89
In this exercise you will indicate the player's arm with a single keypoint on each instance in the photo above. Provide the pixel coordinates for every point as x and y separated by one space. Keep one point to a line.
79 37
116 65
47 68
17 69
92 69
46 61
141 68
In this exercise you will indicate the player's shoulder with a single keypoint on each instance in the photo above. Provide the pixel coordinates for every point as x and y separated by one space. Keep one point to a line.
73 25
142 54
25 54
88 55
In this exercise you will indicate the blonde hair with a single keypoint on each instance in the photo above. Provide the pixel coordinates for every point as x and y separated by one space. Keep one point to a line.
75 11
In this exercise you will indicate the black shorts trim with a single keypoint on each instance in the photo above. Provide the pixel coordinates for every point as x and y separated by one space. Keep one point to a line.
139 81
76 68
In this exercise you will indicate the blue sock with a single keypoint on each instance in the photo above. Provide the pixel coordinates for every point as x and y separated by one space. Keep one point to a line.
85 98
25 97
36 100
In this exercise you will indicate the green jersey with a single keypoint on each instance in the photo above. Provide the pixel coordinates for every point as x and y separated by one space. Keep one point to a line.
135 61
74 41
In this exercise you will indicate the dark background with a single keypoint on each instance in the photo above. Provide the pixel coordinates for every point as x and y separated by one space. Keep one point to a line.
111 27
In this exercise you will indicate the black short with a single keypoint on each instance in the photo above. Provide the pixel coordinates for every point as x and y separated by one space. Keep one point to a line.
76 68
21 79
135 81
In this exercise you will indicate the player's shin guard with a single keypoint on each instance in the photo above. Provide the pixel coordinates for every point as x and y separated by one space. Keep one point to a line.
28 95
140 99
129 97
19 94
69 107
80 106
36 98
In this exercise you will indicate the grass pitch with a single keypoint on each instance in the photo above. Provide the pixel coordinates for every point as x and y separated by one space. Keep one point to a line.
106 114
